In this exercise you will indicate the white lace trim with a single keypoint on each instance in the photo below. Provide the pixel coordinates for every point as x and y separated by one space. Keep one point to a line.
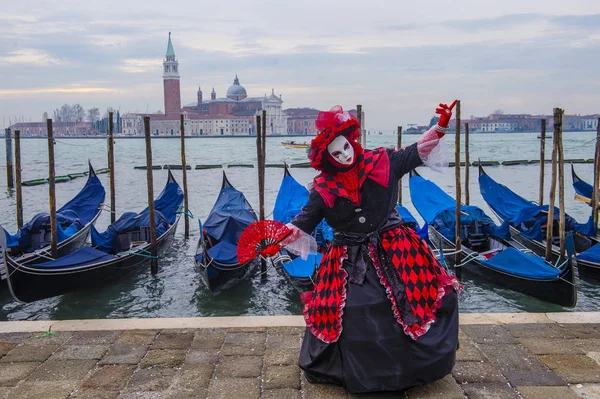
299 243
433 150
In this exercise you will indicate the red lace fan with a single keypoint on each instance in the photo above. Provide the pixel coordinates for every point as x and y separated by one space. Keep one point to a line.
261 238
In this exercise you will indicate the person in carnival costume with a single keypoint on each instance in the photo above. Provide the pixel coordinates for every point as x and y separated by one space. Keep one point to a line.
383 314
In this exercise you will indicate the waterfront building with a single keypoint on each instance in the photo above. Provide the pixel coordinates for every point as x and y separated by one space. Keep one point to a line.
39 129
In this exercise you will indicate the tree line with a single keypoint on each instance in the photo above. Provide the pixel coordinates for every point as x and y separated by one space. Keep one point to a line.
76 113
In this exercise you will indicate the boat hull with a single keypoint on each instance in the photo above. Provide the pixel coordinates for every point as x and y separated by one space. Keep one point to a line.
562 292
28 284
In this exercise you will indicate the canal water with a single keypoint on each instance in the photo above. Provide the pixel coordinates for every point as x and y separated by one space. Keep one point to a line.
176 291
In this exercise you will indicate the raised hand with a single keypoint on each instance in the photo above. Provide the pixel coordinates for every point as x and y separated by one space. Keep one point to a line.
445 113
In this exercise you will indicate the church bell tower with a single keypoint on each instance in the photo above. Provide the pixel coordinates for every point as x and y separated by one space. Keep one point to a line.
172 91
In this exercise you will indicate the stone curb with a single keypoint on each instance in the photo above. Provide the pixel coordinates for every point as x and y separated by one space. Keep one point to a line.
270 321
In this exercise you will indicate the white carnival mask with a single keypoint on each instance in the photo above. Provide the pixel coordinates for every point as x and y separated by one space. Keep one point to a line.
341 150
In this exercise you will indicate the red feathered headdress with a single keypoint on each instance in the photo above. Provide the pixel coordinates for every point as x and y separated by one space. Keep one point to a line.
331 124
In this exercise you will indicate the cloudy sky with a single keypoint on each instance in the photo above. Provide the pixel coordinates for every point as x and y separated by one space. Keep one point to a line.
396 58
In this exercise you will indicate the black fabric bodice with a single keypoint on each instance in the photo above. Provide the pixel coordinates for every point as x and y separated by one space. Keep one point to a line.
376 201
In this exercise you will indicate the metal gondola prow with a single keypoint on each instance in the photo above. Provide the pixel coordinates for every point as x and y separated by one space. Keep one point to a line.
286 171
91 171
413 173
171 178
481 171
226 182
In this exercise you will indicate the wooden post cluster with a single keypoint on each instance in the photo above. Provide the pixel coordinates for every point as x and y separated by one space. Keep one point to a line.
400 181
596 177
542 161
18 178
150 183
558 112
9 159
111 167
467 197
184 170
552 197
52 191
458 270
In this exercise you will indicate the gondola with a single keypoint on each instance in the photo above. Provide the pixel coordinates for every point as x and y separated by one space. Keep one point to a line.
124 245
487 249
31 244
216 255
292 196
528 225
583 190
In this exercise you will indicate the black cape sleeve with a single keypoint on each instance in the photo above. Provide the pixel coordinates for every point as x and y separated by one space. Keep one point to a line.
404 160
311 214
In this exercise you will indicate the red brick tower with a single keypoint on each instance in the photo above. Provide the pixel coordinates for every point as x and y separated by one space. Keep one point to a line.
171 81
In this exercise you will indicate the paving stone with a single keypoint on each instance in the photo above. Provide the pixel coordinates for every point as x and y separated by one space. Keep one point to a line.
546 393
587 345
94 337
29 353
286 330
252 339
533 378
124 354
82 352
58 370
44 390
240 366
321 391
281 356
379 395
493 390
488 334
110 377
584 330
193 377
549 346
579 376
286 393
5 392
87 393
228 388
163 358
468 351
283 341
277 377
5 348
57 338
137 337
15 338
246 329
141 395
173 339
12 373
512 357
185 393
154 379
569 362
446 388
202 356
468 372
231 350
209 338
534 331
585 391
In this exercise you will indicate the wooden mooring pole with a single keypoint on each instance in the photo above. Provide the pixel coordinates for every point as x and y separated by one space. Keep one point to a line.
542 161
457 270
558 112
361 138
111 166
399 181
10 183
184 170
18 178
596 177
467 197
552 197
150 183
260 125
52 190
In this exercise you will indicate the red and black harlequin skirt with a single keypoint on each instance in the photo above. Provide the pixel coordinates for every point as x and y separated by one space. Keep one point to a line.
374 348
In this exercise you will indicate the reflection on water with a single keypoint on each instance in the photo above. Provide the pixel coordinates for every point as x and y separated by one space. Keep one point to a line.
176 290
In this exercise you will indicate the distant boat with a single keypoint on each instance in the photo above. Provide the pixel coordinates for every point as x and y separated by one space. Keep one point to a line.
293 144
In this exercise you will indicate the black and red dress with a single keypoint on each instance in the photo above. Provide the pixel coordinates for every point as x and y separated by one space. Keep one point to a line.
383 315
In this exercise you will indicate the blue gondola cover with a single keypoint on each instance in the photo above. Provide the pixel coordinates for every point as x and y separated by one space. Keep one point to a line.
303 268
82 257
71 217
515 262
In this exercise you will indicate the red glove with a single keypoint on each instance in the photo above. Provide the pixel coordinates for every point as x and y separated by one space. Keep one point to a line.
445 114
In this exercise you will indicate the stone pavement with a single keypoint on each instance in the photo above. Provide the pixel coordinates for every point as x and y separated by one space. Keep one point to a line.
528 356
